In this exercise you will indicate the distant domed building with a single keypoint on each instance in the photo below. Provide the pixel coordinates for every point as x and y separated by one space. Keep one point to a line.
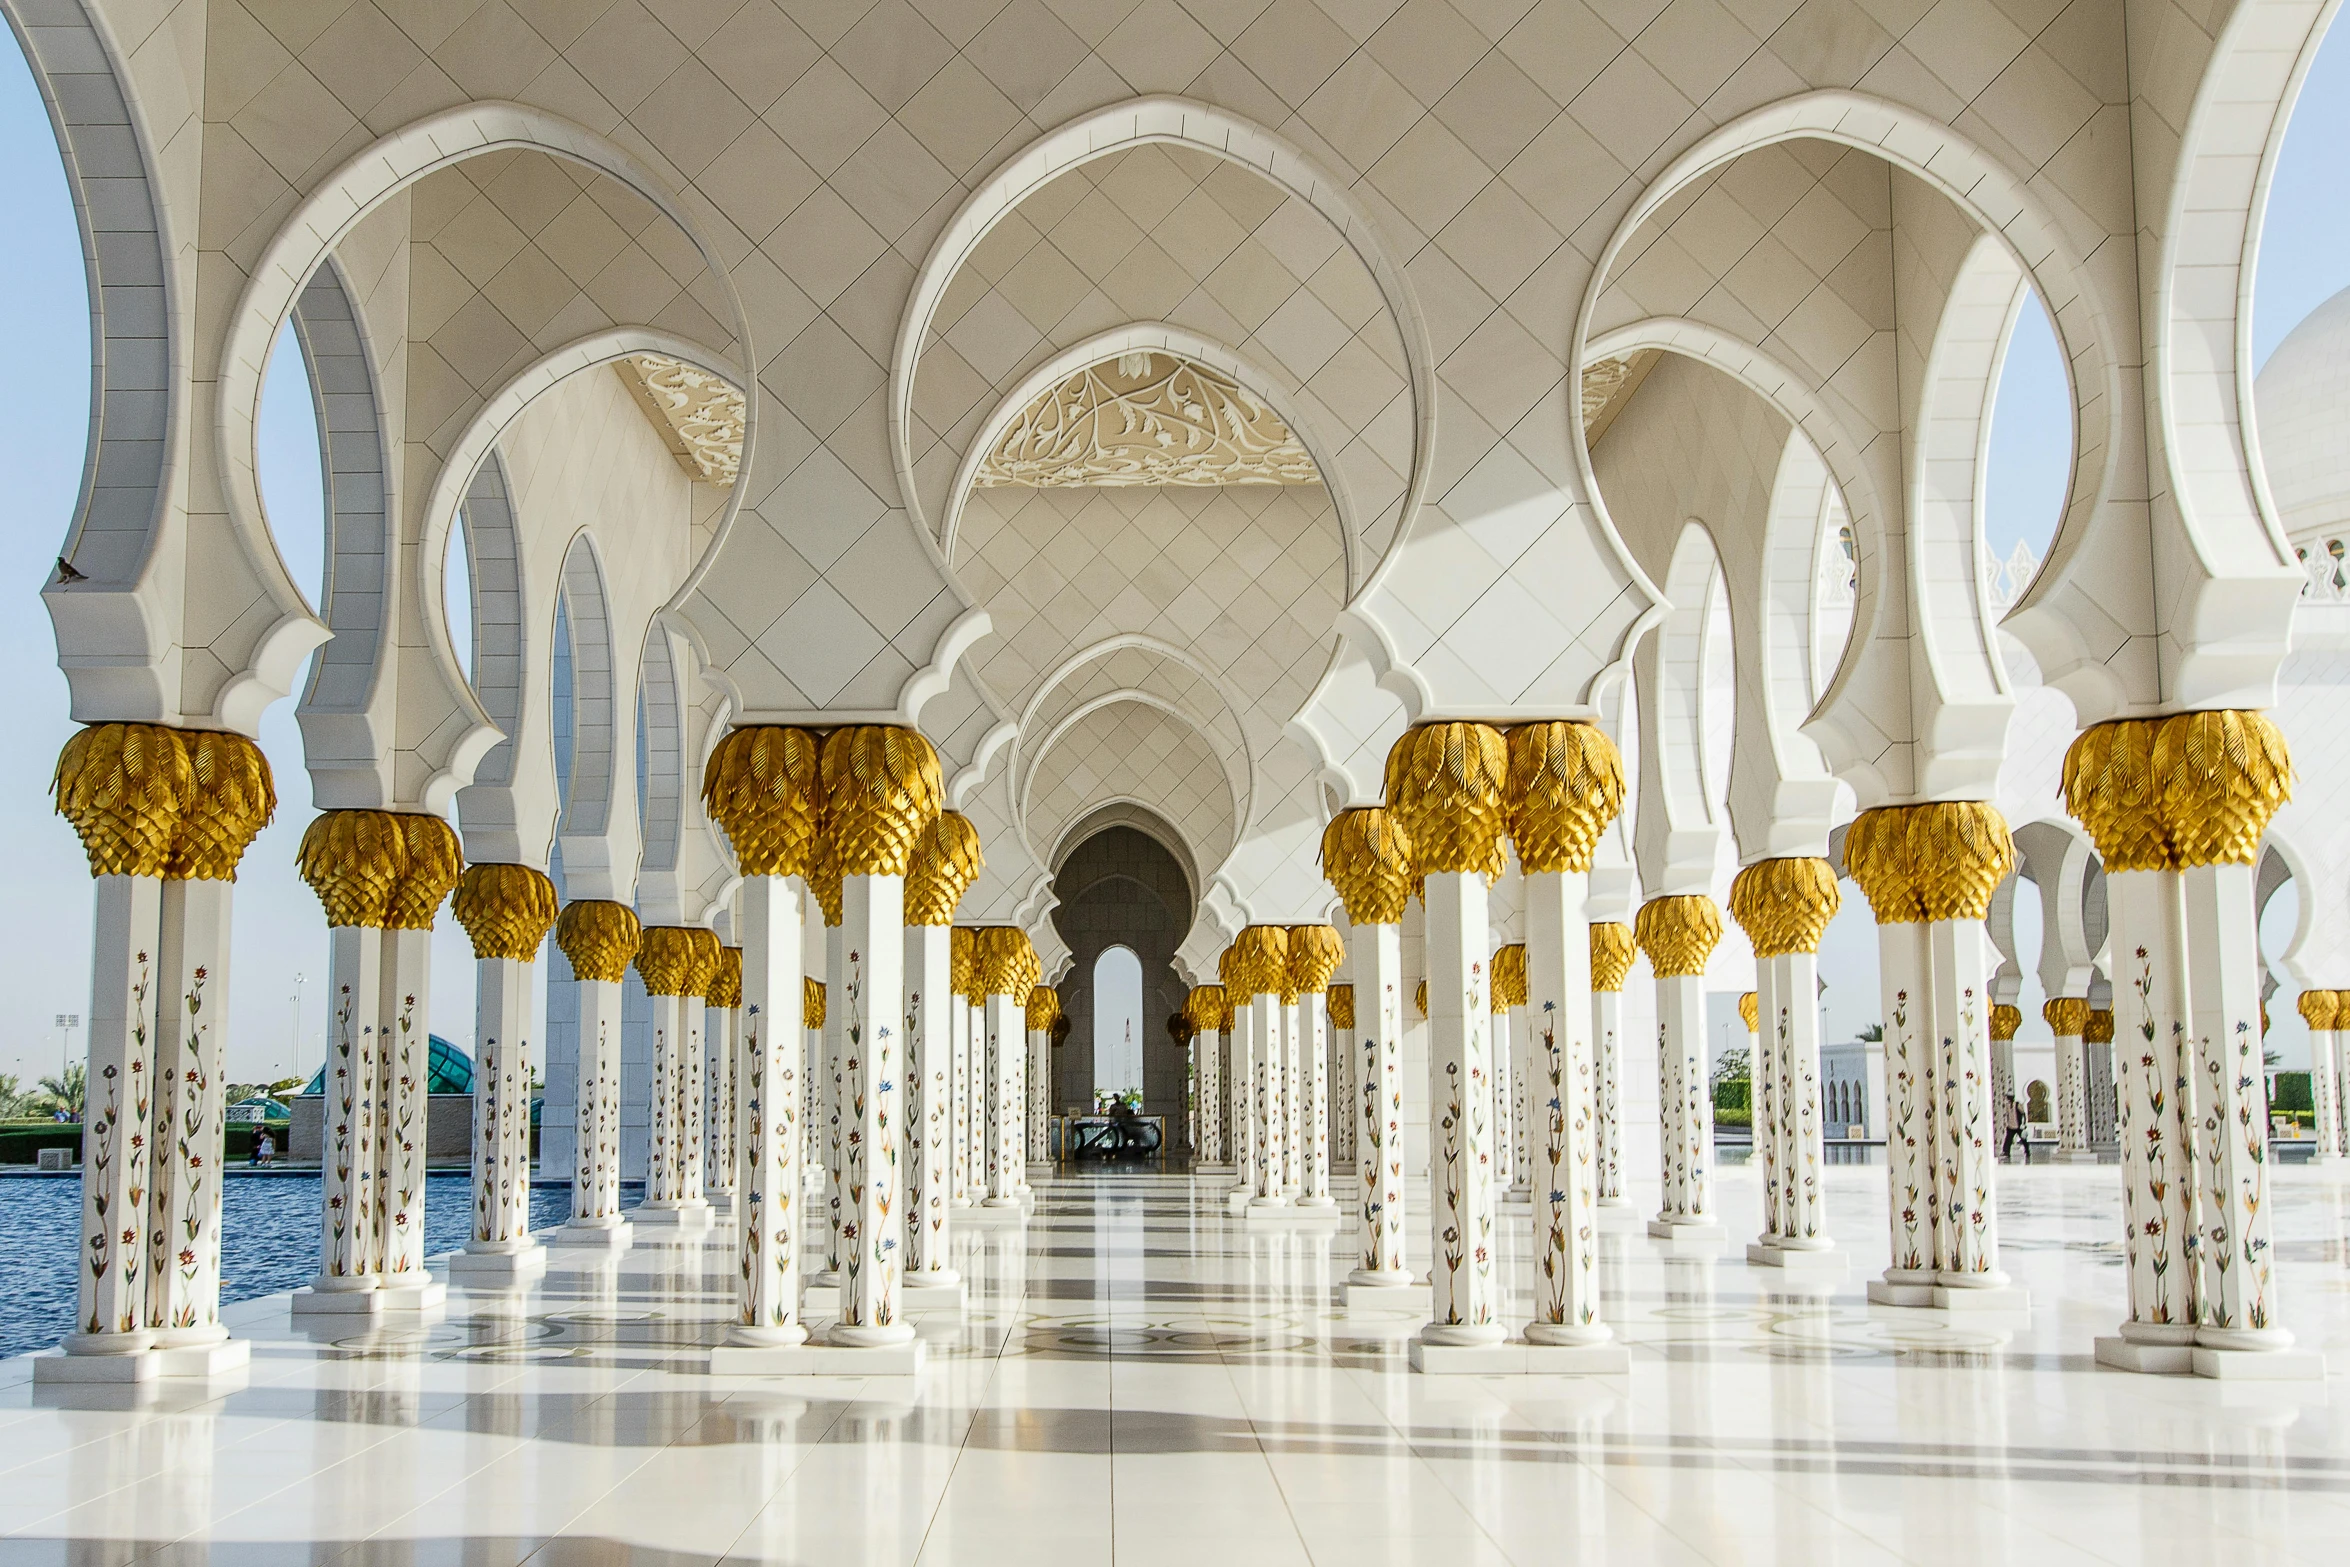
2303 397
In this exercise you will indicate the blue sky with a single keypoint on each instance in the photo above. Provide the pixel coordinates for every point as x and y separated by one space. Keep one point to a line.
44 923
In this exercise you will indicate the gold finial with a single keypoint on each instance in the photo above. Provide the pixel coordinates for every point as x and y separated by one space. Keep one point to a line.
1678 933
881 788
353 860
599 937
761 787
1784 905
1509 977
1367 856
824 878
963 965
1341 1003
1566 783
2320 1008
1044 1005
726 985
506 909
124 787
946 862
1612 951
1446 784
435 860
2112 790
677 960
1750 1011
811 1003
2224 774
231 798
1315 951
2005 1020
1260 962
1006 960
2099 1029
2065 1015
1922 863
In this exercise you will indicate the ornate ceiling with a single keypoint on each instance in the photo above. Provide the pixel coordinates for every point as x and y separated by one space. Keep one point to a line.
699 416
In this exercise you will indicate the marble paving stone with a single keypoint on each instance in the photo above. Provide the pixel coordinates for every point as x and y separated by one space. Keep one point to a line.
1136 1377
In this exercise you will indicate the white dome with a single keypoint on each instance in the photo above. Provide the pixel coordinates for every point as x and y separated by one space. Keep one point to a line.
2303 394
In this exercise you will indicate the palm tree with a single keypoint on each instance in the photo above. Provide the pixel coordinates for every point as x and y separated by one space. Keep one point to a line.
1874 1034
15 1103
65 1092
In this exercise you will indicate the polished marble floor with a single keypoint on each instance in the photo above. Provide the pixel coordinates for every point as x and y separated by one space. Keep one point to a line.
1140 1380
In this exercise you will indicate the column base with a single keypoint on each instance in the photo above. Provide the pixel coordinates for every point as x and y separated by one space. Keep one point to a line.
1826 1260
57 1367
412 1292
818 1360
613 1237
2259 1365
1200 1170
2075 1156
823 1300
1042 1169
506 1267
988 1216
1319 1200
1405 1293
1290 1216
1702 1239
223 1358
680 1216
1237 1201
1941 1297
1516 1357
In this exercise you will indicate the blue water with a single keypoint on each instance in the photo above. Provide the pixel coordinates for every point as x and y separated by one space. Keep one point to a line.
269 1242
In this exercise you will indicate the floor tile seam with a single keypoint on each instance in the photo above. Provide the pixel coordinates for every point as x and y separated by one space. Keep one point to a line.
306 1479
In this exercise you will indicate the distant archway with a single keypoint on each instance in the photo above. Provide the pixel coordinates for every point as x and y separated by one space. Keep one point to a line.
1121 887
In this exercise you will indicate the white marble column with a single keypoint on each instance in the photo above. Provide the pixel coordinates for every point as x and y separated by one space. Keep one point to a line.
930 1063
1265 1031
403 1097
2066 1017
768 1227
1563 1136
1004 1022
2317 1008
1203 1008
831 1083
1910 1165
873 1000
110 1316
1380 1211
1345 1094
354 1077
1612 951
1791 1019
599 938
722 1046
1463 1265
501 1245
1959 951
190 1082
1505 1095
1241 1081
673 961
961 976
1314 1073
1678 933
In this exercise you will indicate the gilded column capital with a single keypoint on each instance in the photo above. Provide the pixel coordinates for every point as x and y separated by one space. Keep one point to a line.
881 789
1420 997
1060 1029
435 861
1784 905
2341 1008
1447 784
946 862
1204 1006
231 798
2065 1015
124 788
1043 1006
811 1003
506 909
2320 1008
1566 783
1229 975
1750 1012
726 985
2005 1020
824 878
1612 951
761 787
2112 789
599 937
1260 962
1509 976
677 960
963 964
2098 1029
1921 863
1678 933
1315 951
1179 1028
353 860
1367 857
2224 775
1341 1003
1006 960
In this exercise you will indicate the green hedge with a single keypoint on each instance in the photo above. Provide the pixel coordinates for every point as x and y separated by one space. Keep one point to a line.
1735 1115
1733 1094
22 1142
2292 1092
